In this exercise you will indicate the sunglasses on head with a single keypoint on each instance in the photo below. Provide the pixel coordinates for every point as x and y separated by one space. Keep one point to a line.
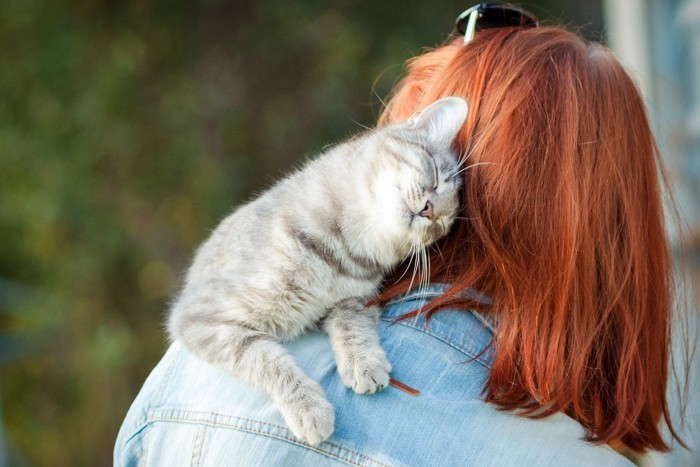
493 15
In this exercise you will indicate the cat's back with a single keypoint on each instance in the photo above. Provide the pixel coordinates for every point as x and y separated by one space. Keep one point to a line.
241 238
308 199
267 240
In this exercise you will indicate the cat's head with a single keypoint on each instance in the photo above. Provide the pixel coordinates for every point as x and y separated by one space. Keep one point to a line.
418 188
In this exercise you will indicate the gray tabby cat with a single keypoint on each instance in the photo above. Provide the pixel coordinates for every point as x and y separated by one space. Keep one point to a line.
317 245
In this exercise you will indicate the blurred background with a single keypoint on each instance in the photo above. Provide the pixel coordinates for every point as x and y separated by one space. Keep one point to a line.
129 128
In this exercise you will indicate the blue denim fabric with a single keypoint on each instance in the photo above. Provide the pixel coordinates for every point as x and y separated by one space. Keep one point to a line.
189 413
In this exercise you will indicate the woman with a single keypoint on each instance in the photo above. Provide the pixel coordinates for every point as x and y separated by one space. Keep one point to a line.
565 354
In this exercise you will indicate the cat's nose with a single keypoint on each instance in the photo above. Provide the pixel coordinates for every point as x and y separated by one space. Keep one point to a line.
427 210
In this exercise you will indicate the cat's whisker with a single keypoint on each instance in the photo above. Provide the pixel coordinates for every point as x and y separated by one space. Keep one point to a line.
411 243
403 246
386 107
421 270
463 159
360 124
416 264
437 248
426 272
460 165
409 257
419 266
413 262
464 169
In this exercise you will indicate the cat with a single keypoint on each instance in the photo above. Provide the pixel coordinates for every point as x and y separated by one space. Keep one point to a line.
315 248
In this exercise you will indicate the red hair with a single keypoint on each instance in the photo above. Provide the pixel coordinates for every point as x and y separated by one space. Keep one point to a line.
563 228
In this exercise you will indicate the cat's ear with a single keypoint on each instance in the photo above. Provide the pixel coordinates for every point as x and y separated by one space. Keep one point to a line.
441 120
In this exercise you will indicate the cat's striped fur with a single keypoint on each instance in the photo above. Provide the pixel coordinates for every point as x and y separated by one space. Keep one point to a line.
314 248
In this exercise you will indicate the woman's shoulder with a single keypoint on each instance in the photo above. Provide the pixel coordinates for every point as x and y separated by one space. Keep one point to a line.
432 414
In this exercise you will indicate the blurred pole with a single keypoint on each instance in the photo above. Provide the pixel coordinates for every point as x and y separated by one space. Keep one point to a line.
658 41
3 445
628 37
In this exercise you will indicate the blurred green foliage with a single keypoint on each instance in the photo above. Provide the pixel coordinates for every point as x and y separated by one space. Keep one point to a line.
127 130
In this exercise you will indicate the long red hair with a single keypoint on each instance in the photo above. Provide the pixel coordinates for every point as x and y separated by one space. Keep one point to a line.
563 227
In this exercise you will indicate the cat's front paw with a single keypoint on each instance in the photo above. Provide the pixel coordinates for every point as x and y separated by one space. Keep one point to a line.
309 415
366 372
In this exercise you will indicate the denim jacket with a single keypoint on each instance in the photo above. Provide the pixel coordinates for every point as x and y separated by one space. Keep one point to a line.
189 413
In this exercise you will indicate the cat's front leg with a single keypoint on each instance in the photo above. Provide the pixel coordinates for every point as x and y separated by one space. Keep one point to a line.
362 363
266 364
307 411
260 360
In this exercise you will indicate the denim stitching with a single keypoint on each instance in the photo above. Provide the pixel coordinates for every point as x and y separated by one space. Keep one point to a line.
156 412
442 339
198 445
146 443
171 417
435 291
422 297
142 421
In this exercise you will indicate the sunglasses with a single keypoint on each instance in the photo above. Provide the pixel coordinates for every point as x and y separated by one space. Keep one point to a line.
493 15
